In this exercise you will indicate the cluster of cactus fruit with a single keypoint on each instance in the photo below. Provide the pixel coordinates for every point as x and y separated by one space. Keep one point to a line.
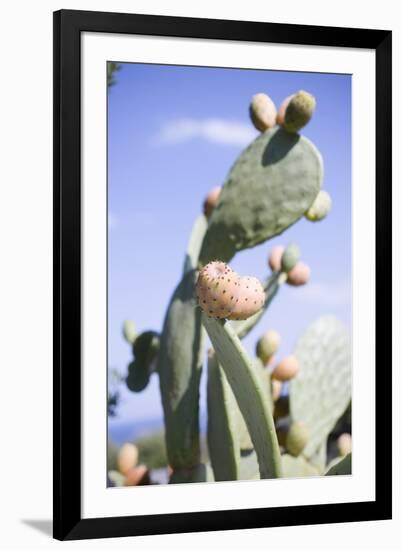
127 471
275 181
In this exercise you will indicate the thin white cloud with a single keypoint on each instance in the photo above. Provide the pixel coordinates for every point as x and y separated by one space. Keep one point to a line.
213 130
326 294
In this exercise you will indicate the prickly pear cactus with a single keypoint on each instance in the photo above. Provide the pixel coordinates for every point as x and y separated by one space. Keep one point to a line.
145 349
195 243
342 467
298 467
223 294
299 111
321 392
223 436
290 257
271 288
320 207
249 393
297 438
264 377
197 474
248 465
179 366
272 184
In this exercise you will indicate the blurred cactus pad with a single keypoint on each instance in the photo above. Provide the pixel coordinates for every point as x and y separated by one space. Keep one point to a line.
257 427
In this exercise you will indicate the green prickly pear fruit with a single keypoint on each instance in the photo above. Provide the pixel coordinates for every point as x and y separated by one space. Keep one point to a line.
299 275
262 112
286 369
290 257
267 345
298 111
223 294
320 207
210 200
297 438
129 331
275 258
276 390
344 444
127 458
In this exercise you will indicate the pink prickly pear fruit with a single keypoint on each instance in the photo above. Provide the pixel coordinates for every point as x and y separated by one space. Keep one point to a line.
290 257
250 299
298 111
275 258
344 444
297 438
223 294
262 112
299 275
138 476
210 200
217 289
286 369
267 345
276 386
127 458
320 207
280 117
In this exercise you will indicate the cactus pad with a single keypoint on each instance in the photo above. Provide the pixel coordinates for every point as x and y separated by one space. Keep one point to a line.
145 348
194 243
223 440
321 391
271 185
342 467
249 393
297 467
179 366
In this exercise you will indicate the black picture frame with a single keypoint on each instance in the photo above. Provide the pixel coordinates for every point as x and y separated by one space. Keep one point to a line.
68 26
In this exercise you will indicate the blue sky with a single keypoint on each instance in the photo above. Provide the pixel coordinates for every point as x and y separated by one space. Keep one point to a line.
174 133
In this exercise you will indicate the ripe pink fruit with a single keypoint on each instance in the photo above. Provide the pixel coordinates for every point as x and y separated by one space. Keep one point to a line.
210 200
280 117
138 476
299 275
344 444
286 369
275 258
262 112
127 458
223 294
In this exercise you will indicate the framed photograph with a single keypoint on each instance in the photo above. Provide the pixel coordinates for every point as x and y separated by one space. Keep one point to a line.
222 274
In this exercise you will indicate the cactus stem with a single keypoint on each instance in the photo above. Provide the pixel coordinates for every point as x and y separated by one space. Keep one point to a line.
249 394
